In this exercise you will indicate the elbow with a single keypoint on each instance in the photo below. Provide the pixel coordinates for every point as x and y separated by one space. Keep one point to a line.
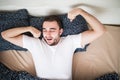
103 31
3 35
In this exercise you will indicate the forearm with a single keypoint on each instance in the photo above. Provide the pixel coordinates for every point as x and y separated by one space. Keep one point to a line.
15 35
14 32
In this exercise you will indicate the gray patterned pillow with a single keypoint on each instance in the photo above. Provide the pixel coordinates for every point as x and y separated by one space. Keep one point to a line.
11 19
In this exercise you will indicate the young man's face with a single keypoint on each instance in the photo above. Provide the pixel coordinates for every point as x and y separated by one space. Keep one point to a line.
51 32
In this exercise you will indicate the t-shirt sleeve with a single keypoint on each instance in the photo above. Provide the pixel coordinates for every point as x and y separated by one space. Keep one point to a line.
28 42
76 40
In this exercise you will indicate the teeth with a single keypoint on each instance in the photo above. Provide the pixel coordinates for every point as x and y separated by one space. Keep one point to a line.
49 39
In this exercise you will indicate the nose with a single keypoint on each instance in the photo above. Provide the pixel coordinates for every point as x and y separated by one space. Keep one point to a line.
47 33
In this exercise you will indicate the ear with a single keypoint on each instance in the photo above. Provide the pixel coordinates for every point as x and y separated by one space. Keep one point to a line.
61 31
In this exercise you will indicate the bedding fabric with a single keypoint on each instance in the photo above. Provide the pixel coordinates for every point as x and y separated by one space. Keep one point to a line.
19 18
101 57
109 76
12 19
7 74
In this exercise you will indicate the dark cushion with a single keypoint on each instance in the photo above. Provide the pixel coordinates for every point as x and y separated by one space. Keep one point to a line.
12 19
78 25
109 76
8 74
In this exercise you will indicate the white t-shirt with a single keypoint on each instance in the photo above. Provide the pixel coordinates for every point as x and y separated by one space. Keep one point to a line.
53 62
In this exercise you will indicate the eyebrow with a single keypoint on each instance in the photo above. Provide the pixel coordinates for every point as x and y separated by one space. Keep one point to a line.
50 28
53 28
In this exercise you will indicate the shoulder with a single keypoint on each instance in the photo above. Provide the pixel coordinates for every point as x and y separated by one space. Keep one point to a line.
30 42
73 37
28 39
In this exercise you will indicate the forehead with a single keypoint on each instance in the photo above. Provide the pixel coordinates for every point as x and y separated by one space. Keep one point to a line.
50 24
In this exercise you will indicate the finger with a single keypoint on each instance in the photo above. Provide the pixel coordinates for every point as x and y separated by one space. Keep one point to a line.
37 35
71 17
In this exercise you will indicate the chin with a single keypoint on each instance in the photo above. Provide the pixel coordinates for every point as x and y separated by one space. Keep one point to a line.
52 44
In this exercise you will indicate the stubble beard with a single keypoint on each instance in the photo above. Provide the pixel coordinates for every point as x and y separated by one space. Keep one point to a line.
55 42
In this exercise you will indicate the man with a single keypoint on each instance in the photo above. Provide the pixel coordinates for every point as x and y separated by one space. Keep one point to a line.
53 54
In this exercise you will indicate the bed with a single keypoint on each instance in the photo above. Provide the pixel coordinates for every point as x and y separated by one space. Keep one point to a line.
101 56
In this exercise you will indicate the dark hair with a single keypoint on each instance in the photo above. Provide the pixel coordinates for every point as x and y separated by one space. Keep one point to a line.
53 18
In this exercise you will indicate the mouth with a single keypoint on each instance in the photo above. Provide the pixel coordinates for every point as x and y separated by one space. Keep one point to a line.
49 39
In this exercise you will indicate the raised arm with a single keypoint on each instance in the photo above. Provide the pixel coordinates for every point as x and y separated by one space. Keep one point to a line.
97 27
15 36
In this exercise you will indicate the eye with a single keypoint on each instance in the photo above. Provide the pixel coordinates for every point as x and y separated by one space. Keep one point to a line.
52 30
44 30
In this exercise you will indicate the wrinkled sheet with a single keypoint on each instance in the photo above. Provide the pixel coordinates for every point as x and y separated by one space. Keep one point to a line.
102 56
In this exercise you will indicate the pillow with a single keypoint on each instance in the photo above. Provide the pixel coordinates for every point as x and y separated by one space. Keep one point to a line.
78 25
11 19
19 14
